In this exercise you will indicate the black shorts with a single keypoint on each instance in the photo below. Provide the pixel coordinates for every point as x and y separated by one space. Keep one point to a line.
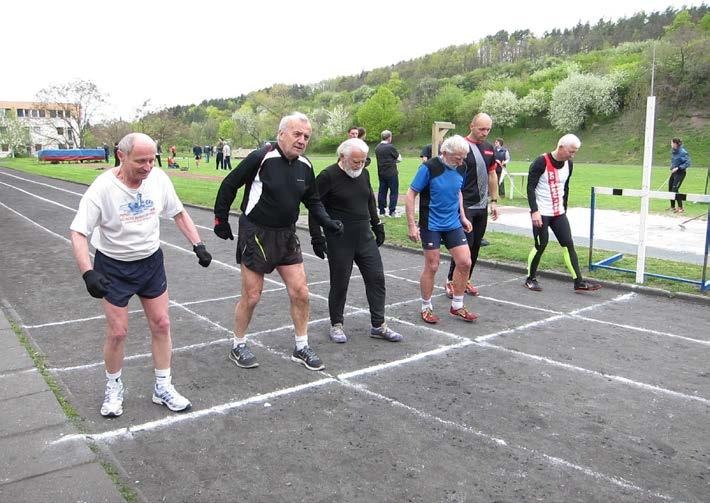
263 249
145 277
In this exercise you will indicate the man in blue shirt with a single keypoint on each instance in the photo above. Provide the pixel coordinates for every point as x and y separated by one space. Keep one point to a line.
680 161
438 183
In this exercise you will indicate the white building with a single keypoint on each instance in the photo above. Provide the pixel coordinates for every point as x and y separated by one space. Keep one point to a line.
47 125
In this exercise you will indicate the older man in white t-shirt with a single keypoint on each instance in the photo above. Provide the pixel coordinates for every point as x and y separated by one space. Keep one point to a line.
121 212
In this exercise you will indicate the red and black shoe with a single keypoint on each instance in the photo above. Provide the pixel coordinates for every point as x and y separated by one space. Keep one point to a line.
429 317
463 314
586 286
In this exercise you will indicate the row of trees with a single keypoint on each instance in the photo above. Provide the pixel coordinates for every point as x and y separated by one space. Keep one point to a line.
517 78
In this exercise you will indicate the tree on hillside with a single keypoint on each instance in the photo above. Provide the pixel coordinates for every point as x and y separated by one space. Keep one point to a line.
502 106
533 104
580 96
683 61
445 104
13 135
81 95
380 112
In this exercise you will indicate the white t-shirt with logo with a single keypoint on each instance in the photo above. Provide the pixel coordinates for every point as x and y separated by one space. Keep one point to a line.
123 222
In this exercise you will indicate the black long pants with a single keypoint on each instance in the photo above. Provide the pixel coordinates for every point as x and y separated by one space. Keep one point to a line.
563 233
227 162
479 221
157 158
357 244
674 183
218 160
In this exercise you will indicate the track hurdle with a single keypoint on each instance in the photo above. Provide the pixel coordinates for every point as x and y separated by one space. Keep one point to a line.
606 263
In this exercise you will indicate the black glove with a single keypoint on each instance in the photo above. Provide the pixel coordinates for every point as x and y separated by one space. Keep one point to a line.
334 227
379 231
223 229
203 256
96 283
320 246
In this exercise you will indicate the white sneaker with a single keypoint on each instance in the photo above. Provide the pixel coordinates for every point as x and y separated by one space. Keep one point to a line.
395 214
168 396
113 399
337 334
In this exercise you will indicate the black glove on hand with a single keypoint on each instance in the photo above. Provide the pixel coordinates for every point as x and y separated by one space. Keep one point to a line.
203 256
96 283
320 246
223 229
334 227
379 232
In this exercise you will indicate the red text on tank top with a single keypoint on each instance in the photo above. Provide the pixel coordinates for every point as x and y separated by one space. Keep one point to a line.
553 181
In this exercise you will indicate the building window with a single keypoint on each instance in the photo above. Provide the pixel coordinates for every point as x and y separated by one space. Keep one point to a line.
38 146
52 114
42 114
34 113
5 147
60 114
60 131
20 112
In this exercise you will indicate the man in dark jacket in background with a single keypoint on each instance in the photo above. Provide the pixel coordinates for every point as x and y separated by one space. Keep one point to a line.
387 159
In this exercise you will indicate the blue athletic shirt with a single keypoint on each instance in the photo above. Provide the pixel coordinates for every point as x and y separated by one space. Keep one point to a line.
438 186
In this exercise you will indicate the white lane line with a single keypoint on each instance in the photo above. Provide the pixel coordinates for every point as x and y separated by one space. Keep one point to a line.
63 238
645 330
171 420
596 373
42 184
483 338
403 361
500 442
39 197
619 298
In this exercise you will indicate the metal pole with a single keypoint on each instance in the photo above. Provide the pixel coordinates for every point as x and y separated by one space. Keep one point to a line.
645 186
592 207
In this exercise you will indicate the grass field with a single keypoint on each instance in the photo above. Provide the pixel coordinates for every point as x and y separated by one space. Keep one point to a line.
505 247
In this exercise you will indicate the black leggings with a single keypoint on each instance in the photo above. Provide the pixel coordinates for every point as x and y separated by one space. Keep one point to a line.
674 183
479 221
563 233
357 244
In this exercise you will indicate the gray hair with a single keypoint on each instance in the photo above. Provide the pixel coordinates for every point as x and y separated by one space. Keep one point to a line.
346 148
127 142
294 117
456 144
386 134
569 140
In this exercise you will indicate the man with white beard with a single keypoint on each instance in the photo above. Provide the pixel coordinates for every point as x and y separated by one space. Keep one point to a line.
347 195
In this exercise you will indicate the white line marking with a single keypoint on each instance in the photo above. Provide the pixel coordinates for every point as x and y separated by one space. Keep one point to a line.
402 361
603 375
38 197
554 461
180 418
646 330
35 223
43 184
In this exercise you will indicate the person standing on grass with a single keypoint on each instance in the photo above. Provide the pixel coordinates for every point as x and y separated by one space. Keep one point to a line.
387 159
502 159
680 161
219 155
277 178
480 190
197 152
227 157
438 183
548 192
347 195
121 211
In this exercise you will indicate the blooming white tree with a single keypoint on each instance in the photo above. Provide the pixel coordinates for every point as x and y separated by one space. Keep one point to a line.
503 107
534 103
580 96
13 135
337 122
80 101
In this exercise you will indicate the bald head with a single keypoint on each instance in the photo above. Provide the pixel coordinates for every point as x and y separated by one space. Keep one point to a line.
480 127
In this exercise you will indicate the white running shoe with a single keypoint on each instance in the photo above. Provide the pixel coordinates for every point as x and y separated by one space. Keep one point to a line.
168 396
113 399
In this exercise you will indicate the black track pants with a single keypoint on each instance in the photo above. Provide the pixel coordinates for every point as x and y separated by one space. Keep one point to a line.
674 183
563 233
479 220
357 244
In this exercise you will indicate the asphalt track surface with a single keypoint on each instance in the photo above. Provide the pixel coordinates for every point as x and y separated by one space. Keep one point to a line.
551 396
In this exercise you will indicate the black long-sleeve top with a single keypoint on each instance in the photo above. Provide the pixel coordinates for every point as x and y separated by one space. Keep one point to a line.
274 189
344 198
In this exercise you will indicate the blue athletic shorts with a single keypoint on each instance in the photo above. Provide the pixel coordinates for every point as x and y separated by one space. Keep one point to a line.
431 240
144 277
